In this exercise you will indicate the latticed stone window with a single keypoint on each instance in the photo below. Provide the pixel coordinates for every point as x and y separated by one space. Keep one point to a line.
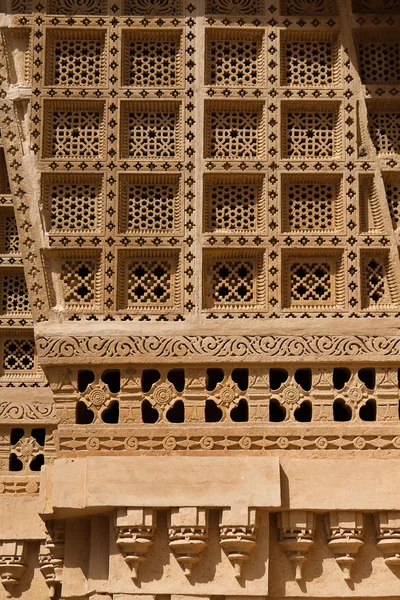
308 8
76 58
384 128
392 187
4 181
376 6
151 130
150 203
14 294
18 355
311 203
74 131
234 7
154 7
310 133
379 61
234 59
235 131
149 280
152 59
312 280
21 6
80 281
378 285
9 240
309 60
234 203
73 203
233 280
77 7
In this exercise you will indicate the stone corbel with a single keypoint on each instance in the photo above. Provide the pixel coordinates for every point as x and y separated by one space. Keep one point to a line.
345 531
12 563
135 535
51 556
296 529
388 534
188 535
238 540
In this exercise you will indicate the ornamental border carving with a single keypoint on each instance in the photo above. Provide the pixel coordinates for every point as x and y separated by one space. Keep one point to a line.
249 349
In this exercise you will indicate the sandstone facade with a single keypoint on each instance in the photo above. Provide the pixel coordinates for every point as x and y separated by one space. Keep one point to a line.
199 299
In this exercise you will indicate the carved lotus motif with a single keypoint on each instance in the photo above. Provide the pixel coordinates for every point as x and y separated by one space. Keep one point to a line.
162 394
291 395
355 395
227 395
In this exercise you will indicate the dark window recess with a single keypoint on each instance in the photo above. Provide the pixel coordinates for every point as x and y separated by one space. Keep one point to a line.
39 435
214 376
341 411
177 378
176 414
240 414
277 377
85 378
303 413
15 435
37 463
84 416
15 464
367 376
340 378
303 378
213 414
111 414
368 411
241 378
277 412
149 414
149 378
113 380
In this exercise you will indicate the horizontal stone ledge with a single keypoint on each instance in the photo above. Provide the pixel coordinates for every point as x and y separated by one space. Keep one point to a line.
248 349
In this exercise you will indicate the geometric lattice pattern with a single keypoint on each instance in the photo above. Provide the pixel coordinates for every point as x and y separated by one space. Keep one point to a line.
234 134
308 63
153 62
234 62
234 7
152 135
74 206
379 62
311 282
79 278
233 282
149 282
14 297
18 355
376 282
232 207
76 133
310 134
151 207
77 7
78 62
11 239
393 197
385 131
310 206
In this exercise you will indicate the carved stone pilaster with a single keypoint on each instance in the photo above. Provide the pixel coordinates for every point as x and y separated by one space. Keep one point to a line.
195 395
387 394
237 539
51 556
345 531
258 395
130 396
322 392
388 534
188 535
12 563
135 535
296 529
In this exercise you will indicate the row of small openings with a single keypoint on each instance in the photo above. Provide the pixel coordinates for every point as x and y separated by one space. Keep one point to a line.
85 416
112 378
212 412
38 434
303 414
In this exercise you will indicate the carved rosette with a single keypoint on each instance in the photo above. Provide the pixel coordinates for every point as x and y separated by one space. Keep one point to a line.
51 556
135 535
296 529
238 541
188 535
12 564
345 531
388 534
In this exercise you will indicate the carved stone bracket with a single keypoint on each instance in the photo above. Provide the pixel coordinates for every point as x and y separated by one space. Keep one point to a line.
188 535
388 533
51 556
345 531
296 537
135 534
237 540
12 563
